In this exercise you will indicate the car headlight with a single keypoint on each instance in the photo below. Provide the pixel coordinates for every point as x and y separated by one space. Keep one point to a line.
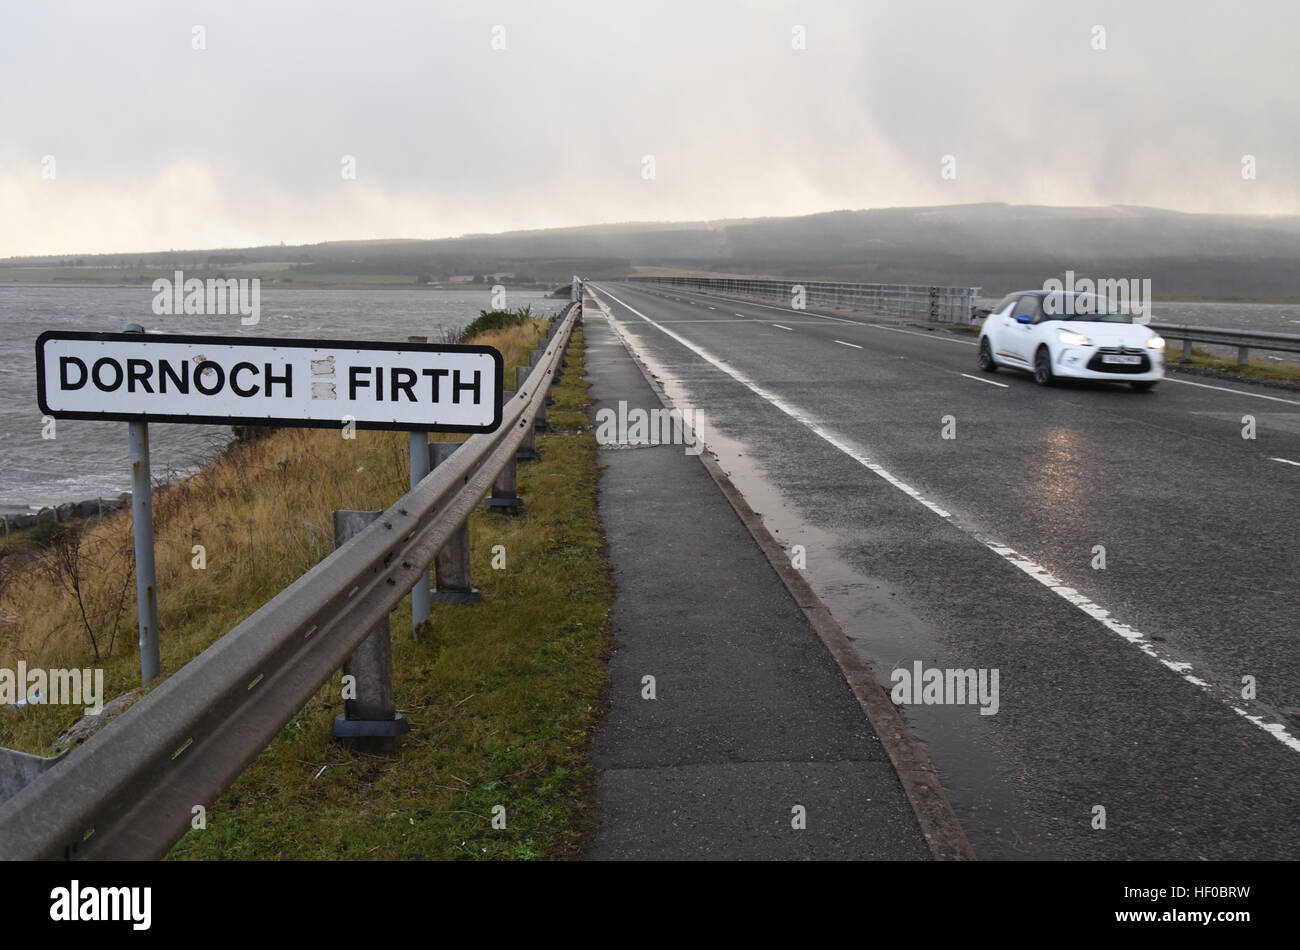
1156 343
1072 339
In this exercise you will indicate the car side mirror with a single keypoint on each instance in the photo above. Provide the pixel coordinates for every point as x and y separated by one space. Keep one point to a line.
1025 318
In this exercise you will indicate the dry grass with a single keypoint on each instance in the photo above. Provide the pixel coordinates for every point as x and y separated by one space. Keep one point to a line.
501 695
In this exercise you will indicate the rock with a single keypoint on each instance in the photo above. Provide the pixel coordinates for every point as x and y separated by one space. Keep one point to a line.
65 512
88 509
88 725
47 514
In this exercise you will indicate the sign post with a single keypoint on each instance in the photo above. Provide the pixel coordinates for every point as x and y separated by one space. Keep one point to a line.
146 584
421 599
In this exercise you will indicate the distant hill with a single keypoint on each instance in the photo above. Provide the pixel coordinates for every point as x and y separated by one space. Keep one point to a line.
997 246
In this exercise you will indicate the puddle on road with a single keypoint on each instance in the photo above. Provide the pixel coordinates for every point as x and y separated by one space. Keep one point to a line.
887 634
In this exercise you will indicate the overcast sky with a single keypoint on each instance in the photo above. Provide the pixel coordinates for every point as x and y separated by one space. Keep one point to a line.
154 144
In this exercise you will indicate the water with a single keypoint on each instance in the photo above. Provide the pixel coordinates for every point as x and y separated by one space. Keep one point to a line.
89 459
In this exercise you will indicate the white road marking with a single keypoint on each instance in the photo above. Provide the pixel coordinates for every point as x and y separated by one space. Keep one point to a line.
741 315
860 323
1288 461
802 313
1037 572
928 336
1239 392
781 327
854 345
981 379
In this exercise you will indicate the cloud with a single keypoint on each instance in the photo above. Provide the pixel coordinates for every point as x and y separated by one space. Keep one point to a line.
159 144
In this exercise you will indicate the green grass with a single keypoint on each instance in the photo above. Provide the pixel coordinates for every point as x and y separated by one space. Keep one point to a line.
502 698
1260 369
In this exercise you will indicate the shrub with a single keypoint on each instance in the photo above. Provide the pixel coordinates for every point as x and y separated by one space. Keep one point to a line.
497 320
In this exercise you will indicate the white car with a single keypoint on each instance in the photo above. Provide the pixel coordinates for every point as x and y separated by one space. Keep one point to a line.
1080 336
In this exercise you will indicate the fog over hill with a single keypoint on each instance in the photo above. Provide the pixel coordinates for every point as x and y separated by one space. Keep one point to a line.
995 246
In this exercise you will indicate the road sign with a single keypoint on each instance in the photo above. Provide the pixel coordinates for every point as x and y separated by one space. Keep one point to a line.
236 380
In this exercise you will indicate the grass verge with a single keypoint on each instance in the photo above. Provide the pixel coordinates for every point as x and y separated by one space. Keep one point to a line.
502 696
1227 366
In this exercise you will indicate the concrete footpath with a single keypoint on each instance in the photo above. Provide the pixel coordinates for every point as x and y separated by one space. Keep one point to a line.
753 724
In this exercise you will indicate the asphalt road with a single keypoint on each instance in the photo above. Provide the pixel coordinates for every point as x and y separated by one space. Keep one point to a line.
1119 688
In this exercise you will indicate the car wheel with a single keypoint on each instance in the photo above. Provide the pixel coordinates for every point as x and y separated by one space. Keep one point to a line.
1043 367
986 356
1144 384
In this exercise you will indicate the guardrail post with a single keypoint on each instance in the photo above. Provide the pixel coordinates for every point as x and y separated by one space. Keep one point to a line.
528 448
370 721
146 583
534 357
504 498
1187 351
1243 355
451 565
419 438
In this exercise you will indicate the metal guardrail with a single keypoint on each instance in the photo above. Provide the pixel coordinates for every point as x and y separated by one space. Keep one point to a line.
129 791
916 301
948 305
1243 340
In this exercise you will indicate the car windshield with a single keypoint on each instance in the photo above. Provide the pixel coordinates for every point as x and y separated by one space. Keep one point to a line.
1088 307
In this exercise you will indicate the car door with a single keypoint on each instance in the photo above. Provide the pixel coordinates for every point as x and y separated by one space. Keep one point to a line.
1018 341
997 324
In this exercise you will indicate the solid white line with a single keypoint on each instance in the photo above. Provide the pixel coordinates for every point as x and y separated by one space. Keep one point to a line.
1239 392
854 345
1038 573
783 328
980 379
741 315
1288 461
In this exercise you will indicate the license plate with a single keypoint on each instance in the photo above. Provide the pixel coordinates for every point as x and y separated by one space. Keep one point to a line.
1123 360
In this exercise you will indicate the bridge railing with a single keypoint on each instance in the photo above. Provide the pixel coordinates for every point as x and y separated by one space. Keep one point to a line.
914 301
1243 340
129 791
